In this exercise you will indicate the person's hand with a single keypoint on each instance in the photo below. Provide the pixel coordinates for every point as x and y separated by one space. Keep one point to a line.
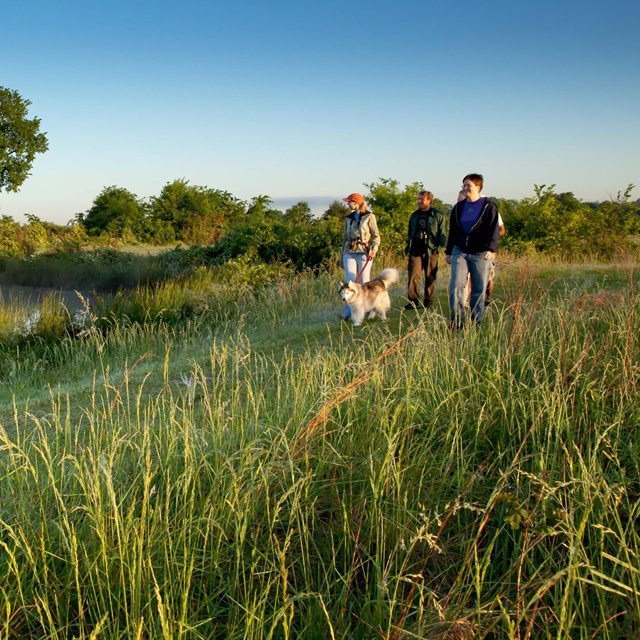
447 259
371 256
489 255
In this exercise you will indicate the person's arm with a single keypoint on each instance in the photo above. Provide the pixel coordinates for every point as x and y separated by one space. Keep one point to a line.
409 235
374 240
493 234
441 239
451 236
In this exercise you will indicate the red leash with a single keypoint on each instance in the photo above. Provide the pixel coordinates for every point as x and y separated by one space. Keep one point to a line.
364 266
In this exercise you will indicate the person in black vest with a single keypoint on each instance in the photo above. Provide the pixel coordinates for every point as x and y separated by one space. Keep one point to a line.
425 237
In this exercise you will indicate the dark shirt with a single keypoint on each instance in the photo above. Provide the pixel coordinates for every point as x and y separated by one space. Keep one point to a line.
470 213
426 233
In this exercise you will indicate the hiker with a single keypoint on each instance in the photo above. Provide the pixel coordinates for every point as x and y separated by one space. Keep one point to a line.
360 244
488 294
471 247
425 238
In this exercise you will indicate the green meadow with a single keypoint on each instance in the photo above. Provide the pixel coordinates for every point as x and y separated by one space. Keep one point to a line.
199 457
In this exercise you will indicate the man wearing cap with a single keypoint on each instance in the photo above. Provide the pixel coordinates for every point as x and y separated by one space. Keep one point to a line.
425 238
360 244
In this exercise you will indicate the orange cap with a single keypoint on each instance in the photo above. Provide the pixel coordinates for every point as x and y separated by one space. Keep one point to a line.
354 197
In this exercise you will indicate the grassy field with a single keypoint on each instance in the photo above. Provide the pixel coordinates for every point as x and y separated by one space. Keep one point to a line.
261 469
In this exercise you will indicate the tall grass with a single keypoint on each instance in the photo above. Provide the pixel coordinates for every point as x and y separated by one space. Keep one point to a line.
274 473
101 270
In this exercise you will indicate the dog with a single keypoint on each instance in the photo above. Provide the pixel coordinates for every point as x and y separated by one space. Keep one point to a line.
369 298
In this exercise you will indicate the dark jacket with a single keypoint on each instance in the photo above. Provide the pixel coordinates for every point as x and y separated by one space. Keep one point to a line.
436 235
483 235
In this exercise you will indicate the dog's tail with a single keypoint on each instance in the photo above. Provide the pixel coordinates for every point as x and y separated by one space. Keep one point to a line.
388 277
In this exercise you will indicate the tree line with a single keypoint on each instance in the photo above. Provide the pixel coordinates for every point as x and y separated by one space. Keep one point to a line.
546 222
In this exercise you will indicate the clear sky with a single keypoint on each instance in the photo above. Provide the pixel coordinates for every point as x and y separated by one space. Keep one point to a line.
310 100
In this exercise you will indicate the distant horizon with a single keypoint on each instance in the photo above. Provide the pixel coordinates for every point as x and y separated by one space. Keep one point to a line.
321 203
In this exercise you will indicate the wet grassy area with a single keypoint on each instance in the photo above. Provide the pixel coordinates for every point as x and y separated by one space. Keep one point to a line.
33 297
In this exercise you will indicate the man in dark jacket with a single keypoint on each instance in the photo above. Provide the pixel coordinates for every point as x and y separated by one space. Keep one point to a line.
425 238
471 247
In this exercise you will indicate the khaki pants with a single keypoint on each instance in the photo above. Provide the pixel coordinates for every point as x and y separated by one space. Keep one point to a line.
418 264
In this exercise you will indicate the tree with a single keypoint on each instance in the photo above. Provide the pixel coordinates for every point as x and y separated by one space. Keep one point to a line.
299 212
196 214
393 207
34 235
561 224
622 212
337 210
9 237
114 211
260 206
20 140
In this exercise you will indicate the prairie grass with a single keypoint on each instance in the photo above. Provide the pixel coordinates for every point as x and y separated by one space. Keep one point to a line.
263 470
101 269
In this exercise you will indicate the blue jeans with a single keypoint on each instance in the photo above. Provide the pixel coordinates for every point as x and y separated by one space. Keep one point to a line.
463 265
353 264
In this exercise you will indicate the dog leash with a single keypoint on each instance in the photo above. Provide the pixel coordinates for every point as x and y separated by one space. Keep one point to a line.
364 266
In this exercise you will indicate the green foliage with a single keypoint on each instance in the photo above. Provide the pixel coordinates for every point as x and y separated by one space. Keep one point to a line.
102 270
298 213
337 210
247 275
10 232
322 243
393 207
168 302
20 140
622 214
266 237
115 211
547 223
560 224
192 214
33 331
273 472
23 241
35 235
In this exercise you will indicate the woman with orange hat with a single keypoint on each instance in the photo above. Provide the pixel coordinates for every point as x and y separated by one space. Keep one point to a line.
360 244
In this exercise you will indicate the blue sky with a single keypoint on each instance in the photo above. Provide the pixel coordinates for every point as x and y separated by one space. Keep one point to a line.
311 101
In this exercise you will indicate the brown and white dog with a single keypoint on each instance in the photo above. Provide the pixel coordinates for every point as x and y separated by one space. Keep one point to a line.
369 298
